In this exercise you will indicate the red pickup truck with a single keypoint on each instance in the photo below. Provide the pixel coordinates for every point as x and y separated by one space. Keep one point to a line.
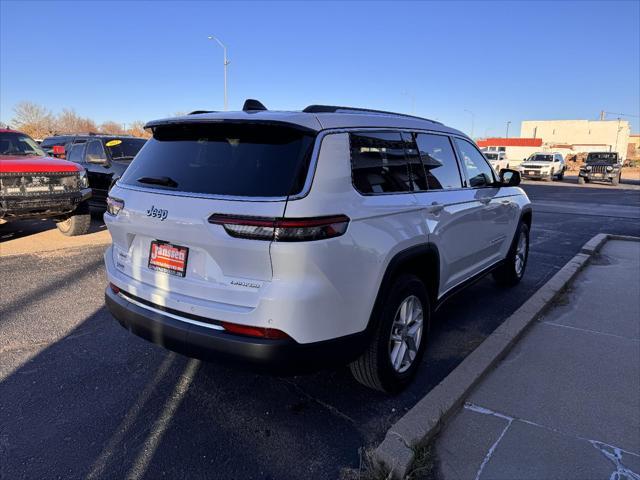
33 185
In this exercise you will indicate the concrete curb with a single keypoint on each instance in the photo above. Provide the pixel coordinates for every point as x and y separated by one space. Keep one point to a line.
420 424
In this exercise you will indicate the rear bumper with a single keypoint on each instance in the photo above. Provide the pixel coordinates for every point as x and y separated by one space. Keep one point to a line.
41 207
274 356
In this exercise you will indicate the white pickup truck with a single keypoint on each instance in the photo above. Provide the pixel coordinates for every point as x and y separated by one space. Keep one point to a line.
498 160
545 166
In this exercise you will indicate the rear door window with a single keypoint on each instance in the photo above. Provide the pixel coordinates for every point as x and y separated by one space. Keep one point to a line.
248 160
378 163
439 161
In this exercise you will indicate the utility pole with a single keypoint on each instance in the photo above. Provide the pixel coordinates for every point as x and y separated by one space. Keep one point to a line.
226 63
473 120
508 123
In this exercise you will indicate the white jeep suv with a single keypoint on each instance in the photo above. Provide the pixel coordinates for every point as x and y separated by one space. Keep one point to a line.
543 166
298 240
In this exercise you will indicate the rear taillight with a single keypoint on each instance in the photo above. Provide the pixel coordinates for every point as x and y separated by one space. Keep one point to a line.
282 229
259 332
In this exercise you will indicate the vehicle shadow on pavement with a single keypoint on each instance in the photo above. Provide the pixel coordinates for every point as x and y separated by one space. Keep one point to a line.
101 402
24 228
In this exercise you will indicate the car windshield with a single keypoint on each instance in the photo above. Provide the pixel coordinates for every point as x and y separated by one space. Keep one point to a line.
609 157
124 148
15 143
491 156
251 160
541 158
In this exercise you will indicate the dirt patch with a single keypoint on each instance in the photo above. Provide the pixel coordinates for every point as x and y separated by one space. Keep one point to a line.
19 239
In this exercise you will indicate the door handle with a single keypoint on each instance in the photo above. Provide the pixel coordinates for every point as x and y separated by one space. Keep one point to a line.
435 208
505 202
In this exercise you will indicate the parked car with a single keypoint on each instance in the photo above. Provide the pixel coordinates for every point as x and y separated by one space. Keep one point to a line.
300 240
498 160
546 166
604 166
33 185
54 146
104 157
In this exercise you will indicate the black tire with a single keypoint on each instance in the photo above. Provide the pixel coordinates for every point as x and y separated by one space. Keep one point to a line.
78 223
374 368
511 272
581 181
616 180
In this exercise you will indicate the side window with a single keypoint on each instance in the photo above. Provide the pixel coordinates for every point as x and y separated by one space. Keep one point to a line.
94 151
478 170
416 170
76 152
439 161
378 163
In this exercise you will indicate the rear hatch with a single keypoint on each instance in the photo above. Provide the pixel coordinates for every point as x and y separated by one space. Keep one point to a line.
185 174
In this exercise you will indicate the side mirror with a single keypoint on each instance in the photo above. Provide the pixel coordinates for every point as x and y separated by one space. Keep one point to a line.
96 159
509 178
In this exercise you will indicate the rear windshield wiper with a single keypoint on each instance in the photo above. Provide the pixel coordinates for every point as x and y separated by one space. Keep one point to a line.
164 181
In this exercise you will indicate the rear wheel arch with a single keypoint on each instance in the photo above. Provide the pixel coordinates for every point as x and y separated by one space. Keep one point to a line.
526 217
421 260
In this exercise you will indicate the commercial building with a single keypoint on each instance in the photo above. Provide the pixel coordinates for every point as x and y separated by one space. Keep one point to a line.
516 149
581 136
633 150
569 137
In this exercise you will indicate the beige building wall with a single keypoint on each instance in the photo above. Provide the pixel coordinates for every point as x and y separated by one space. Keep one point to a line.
585 135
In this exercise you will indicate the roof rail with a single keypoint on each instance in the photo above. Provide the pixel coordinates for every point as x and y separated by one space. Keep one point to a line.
337 109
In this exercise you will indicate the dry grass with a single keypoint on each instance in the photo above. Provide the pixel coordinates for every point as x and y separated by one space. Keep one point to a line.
423 467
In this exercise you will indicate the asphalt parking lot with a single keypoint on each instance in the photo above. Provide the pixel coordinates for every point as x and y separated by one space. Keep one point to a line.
81 397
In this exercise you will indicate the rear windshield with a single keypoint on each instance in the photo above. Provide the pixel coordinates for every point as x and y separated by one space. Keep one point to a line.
248 160
51 141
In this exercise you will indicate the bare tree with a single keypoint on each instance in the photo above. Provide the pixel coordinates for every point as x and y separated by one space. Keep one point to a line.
137 129
32 119
113 128
70 122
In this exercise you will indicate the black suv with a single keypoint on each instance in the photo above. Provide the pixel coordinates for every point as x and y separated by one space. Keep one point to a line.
104 157
603 166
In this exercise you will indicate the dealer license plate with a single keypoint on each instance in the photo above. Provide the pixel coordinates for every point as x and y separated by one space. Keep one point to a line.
168 258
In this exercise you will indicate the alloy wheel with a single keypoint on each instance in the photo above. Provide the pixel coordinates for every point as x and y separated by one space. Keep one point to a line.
406 334
521 254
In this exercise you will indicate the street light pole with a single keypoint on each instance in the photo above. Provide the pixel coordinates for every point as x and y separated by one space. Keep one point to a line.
473 119
226 62
508 123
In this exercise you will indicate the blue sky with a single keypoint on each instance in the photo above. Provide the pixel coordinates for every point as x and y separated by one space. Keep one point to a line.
504 61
